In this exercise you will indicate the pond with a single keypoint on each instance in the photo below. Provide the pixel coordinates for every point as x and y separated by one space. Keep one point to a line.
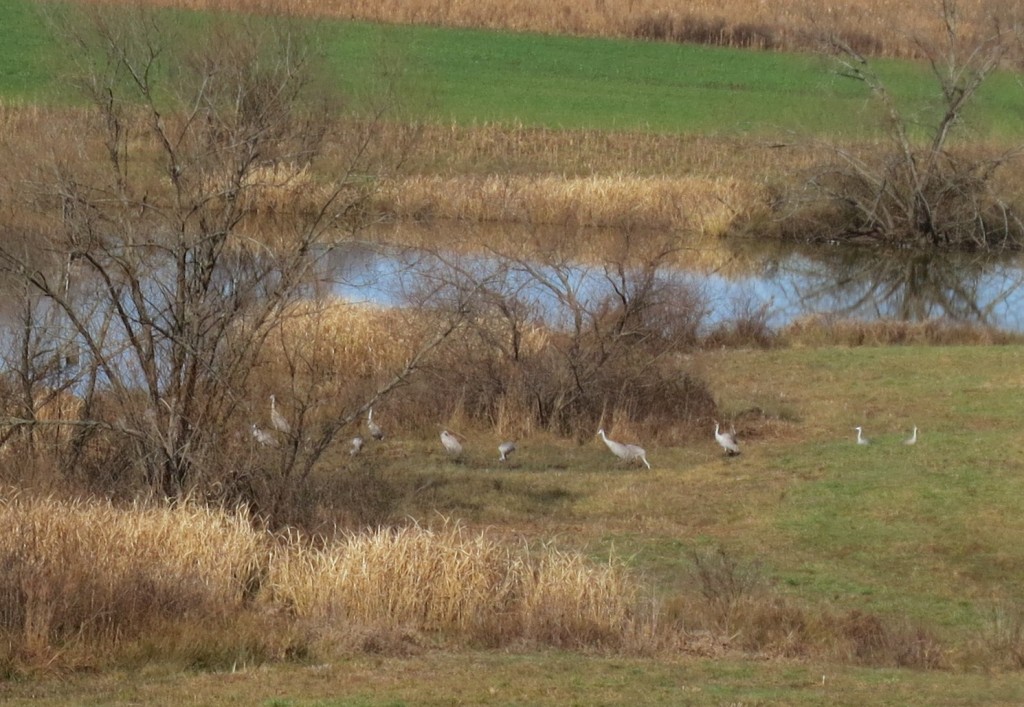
789 281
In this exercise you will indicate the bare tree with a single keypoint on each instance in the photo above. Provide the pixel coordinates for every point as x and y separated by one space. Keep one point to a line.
180 233
920 191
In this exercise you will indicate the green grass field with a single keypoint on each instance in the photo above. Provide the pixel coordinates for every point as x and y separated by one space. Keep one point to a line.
573 83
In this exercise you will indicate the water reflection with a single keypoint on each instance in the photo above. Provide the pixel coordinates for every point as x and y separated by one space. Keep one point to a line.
905 285
792 281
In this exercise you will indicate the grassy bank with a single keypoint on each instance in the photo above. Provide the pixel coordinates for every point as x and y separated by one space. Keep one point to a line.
850 552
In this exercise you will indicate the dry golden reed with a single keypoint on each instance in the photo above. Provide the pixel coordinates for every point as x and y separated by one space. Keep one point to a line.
452 580
699 205
363 340
90 571
84 573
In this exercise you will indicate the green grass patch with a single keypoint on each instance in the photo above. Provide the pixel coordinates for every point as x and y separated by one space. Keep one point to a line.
26 49
472 76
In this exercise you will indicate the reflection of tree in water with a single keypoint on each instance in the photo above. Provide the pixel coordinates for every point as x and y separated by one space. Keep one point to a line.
904 285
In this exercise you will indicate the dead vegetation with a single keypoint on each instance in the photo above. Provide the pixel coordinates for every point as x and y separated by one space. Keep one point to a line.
88 584
85 582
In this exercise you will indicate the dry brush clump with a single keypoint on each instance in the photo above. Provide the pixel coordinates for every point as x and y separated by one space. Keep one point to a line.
734 600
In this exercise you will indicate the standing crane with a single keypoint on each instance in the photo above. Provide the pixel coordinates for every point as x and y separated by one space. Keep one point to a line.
451 443
263 437
277 419
375 431
912 439
505 450
728 441
625 452
861 439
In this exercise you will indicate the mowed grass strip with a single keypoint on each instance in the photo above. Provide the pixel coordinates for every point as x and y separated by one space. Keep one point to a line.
475 76
506 678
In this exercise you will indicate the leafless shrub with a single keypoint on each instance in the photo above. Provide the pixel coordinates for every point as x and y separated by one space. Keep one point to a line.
725 580
561 341
746 325
874 640
732 601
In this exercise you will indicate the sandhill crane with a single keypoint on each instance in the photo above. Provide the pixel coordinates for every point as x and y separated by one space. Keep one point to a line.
375 431
505 450
728 441
451 443
263 437
357 445
277 419
912 439
625 452
861 439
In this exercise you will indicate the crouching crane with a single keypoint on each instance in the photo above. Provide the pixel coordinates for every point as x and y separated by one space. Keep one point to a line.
727 441
451 443
357 445
629 453
505 450
263 437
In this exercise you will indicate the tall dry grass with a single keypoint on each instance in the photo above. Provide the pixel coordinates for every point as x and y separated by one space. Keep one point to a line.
77 574
85 582
455 581
885 27
696 205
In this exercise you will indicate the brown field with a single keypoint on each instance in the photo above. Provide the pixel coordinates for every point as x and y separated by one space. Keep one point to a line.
484 174
883 27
